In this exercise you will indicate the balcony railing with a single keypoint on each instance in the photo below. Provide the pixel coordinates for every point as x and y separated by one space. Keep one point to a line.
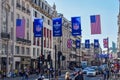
5 35
23 40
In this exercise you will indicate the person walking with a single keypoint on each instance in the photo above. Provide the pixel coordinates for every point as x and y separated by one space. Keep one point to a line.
79 76
67 76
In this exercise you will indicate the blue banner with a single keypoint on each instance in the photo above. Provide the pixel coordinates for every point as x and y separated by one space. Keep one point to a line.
76 26
87 43
96 43
78 44
38 27
57 27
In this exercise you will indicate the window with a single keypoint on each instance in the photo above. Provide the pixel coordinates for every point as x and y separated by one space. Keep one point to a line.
18 16
4 22
12 33
22 50
28 51
42 5
45 7
17 49
27 35
43 18
23 5
48 10
39 3
3 48
37 52
35 13
23 17
33 51
48 22
11 16
28 23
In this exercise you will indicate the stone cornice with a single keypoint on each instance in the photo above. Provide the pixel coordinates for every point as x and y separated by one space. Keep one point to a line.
40 10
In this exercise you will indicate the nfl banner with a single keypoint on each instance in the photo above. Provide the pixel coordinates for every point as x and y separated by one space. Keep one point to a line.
76 26
78 43
38 25
96 43
87 43
57 27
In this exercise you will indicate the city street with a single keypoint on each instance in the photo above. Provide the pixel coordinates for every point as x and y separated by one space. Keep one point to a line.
34 77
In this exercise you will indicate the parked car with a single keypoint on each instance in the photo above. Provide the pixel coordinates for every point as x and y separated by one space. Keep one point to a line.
76 71
91 72
85 70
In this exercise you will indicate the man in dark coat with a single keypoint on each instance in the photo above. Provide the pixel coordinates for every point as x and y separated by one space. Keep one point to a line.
79 76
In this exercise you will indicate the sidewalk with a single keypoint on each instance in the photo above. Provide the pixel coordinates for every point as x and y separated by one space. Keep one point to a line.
33 76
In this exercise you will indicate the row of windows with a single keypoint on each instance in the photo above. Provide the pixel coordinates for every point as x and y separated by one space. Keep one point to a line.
35 14
22 50
43 5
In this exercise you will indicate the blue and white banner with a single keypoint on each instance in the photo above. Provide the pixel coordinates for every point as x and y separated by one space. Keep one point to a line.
57 27
87 43
78 42
38 27
96 43
76 26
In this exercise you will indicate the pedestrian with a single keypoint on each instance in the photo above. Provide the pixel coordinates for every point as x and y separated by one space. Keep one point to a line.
104 74
79 76
67 76
108 73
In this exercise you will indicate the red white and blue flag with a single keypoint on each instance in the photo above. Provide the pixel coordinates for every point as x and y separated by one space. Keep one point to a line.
69 43
95 24
20 28
105 43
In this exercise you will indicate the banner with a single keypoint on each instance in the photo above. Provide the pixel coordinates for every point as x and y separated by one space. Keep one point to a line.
69 43
20 28
95 24
87 43
105 43
76 26
38 27
78 44
96 43
57 27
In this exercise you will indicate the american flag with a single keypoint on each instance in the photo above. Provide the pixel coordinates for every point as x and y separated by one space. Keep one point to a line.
20 28
105 43
95 24
69 43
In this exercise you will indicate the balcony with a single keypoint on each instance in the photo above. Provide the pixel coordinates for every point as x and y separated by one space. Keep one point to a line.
5 35
23 41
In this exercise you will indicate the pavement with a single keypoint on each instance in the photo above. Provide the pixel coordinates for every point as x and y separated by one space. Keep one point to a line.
31 77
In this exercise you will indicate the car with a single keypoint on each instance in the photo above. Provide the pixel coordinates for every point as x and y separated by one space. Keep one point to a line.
91 72
84 71
76 71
